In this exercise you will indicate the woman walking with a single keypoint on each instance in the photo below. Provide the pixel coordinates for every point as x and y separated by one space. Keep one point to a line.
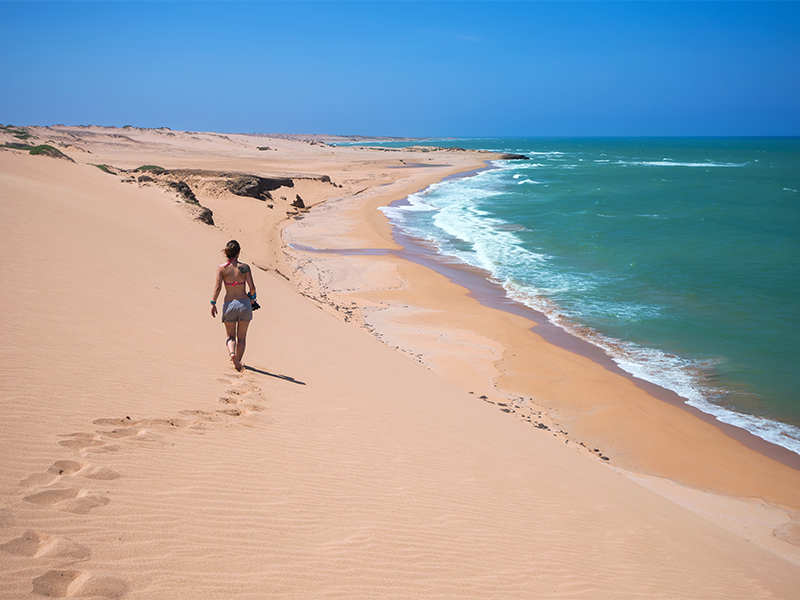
237 307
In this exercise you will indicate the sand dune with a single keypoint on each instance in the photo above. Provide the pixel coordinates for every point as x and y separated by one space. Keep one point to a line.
137 463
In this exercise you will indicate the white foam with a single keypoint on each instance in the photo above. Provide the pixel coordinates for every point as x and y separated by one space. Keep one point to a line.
688 379
669 163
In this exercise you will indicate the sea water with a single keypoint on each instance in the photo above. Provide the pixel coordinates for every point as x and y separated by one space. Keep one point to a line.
679 257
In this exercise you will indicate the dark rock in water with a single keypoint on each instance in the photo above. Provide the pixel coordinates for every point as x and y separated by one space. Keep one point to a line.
298 203
253 186
513 157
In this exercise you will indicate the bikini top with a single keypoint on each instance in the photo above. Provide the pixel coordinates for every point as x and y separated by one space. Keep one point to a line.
235 282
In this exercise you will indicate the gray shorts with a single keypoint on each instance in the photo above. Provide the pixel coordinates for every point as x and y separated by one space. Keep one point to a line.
237 310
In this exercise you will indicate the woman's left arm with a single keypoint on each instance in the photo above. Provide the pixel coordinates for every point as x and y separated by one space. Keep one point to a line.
250 283
248 278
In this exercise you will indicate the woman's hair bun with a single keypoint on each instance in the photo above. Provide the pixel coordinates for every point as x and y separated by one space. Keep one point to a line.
232 249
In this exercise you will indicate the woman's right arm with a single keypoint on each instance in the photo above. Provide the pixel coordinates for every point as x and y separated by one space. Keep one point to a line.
217 290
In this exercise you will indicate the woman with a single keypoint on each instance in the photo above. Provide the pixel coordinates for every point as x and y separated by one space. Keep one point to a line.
237 311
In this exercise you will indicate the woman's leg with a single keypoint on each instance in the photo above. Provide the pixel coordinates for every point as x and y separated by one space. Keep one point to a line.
230 329
241 339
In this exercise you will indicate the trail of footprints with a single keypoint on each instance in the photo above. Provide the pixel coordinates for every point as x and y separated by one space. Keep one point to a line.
521 407
68 486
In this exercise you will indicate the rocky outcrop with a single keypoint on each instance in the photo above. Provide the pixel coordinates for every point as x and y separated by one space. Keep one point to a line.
298 202
198 213
205 215
513 157
253 186
183 190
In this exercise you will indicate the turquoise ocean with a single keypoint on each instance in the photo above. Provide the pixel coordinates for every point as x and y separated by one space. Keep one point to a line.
679 257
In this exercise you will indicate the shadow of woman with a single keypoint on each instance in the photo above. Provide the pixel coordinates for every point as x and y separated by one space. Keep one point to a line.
275 375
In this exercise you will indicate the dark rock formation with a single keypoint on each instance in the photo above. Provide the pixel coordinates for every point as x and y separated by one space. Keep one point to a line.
253 186
144 178
205 215
183 190
198 213
298 202
513 157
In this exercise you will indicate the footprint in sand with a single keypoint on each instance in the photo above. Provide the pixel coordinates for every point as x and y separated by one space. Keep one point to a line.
66 468
234 399
132 434
87 442
232 412
56 470
127 427
99 473
202 416
168 423
69 582
72 500
35 544
118 422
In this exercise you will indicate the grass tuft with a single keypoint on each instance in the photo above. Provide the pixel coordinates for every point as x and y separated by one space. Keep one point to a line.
17 146
42 149
47 150
105 169
18 132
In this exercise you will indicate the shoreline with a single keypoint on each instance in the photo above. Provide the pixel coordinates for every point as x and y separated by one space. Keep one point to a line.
723 458
492 295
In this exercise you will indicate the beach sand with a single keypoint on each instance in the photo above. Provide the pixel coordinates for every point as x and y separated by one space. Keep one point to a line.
392 437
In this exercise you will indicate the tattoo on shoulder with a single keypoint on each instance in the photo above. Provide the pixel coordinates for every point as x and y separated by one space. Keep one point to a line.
244 268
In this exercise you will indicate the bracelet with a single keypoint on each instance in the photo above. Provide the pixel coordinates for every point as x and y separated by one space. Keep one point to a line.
214 302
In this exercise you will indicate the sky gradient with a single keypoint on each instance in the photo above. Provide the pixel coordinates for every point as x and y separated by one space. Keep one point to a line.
429 69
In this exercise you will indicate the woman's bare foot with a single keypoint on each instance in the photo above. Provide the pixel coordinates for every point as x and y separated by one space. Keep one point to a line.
237 364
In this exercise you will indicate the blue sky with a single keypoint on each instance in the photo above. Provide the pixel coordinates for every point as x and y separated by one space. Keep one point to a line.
467 69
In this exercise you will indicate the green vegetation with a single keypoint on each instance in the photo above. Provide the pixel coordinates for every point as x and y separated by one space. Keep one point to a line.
43 149
150 168
47 150
18 132
17 146
105 169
